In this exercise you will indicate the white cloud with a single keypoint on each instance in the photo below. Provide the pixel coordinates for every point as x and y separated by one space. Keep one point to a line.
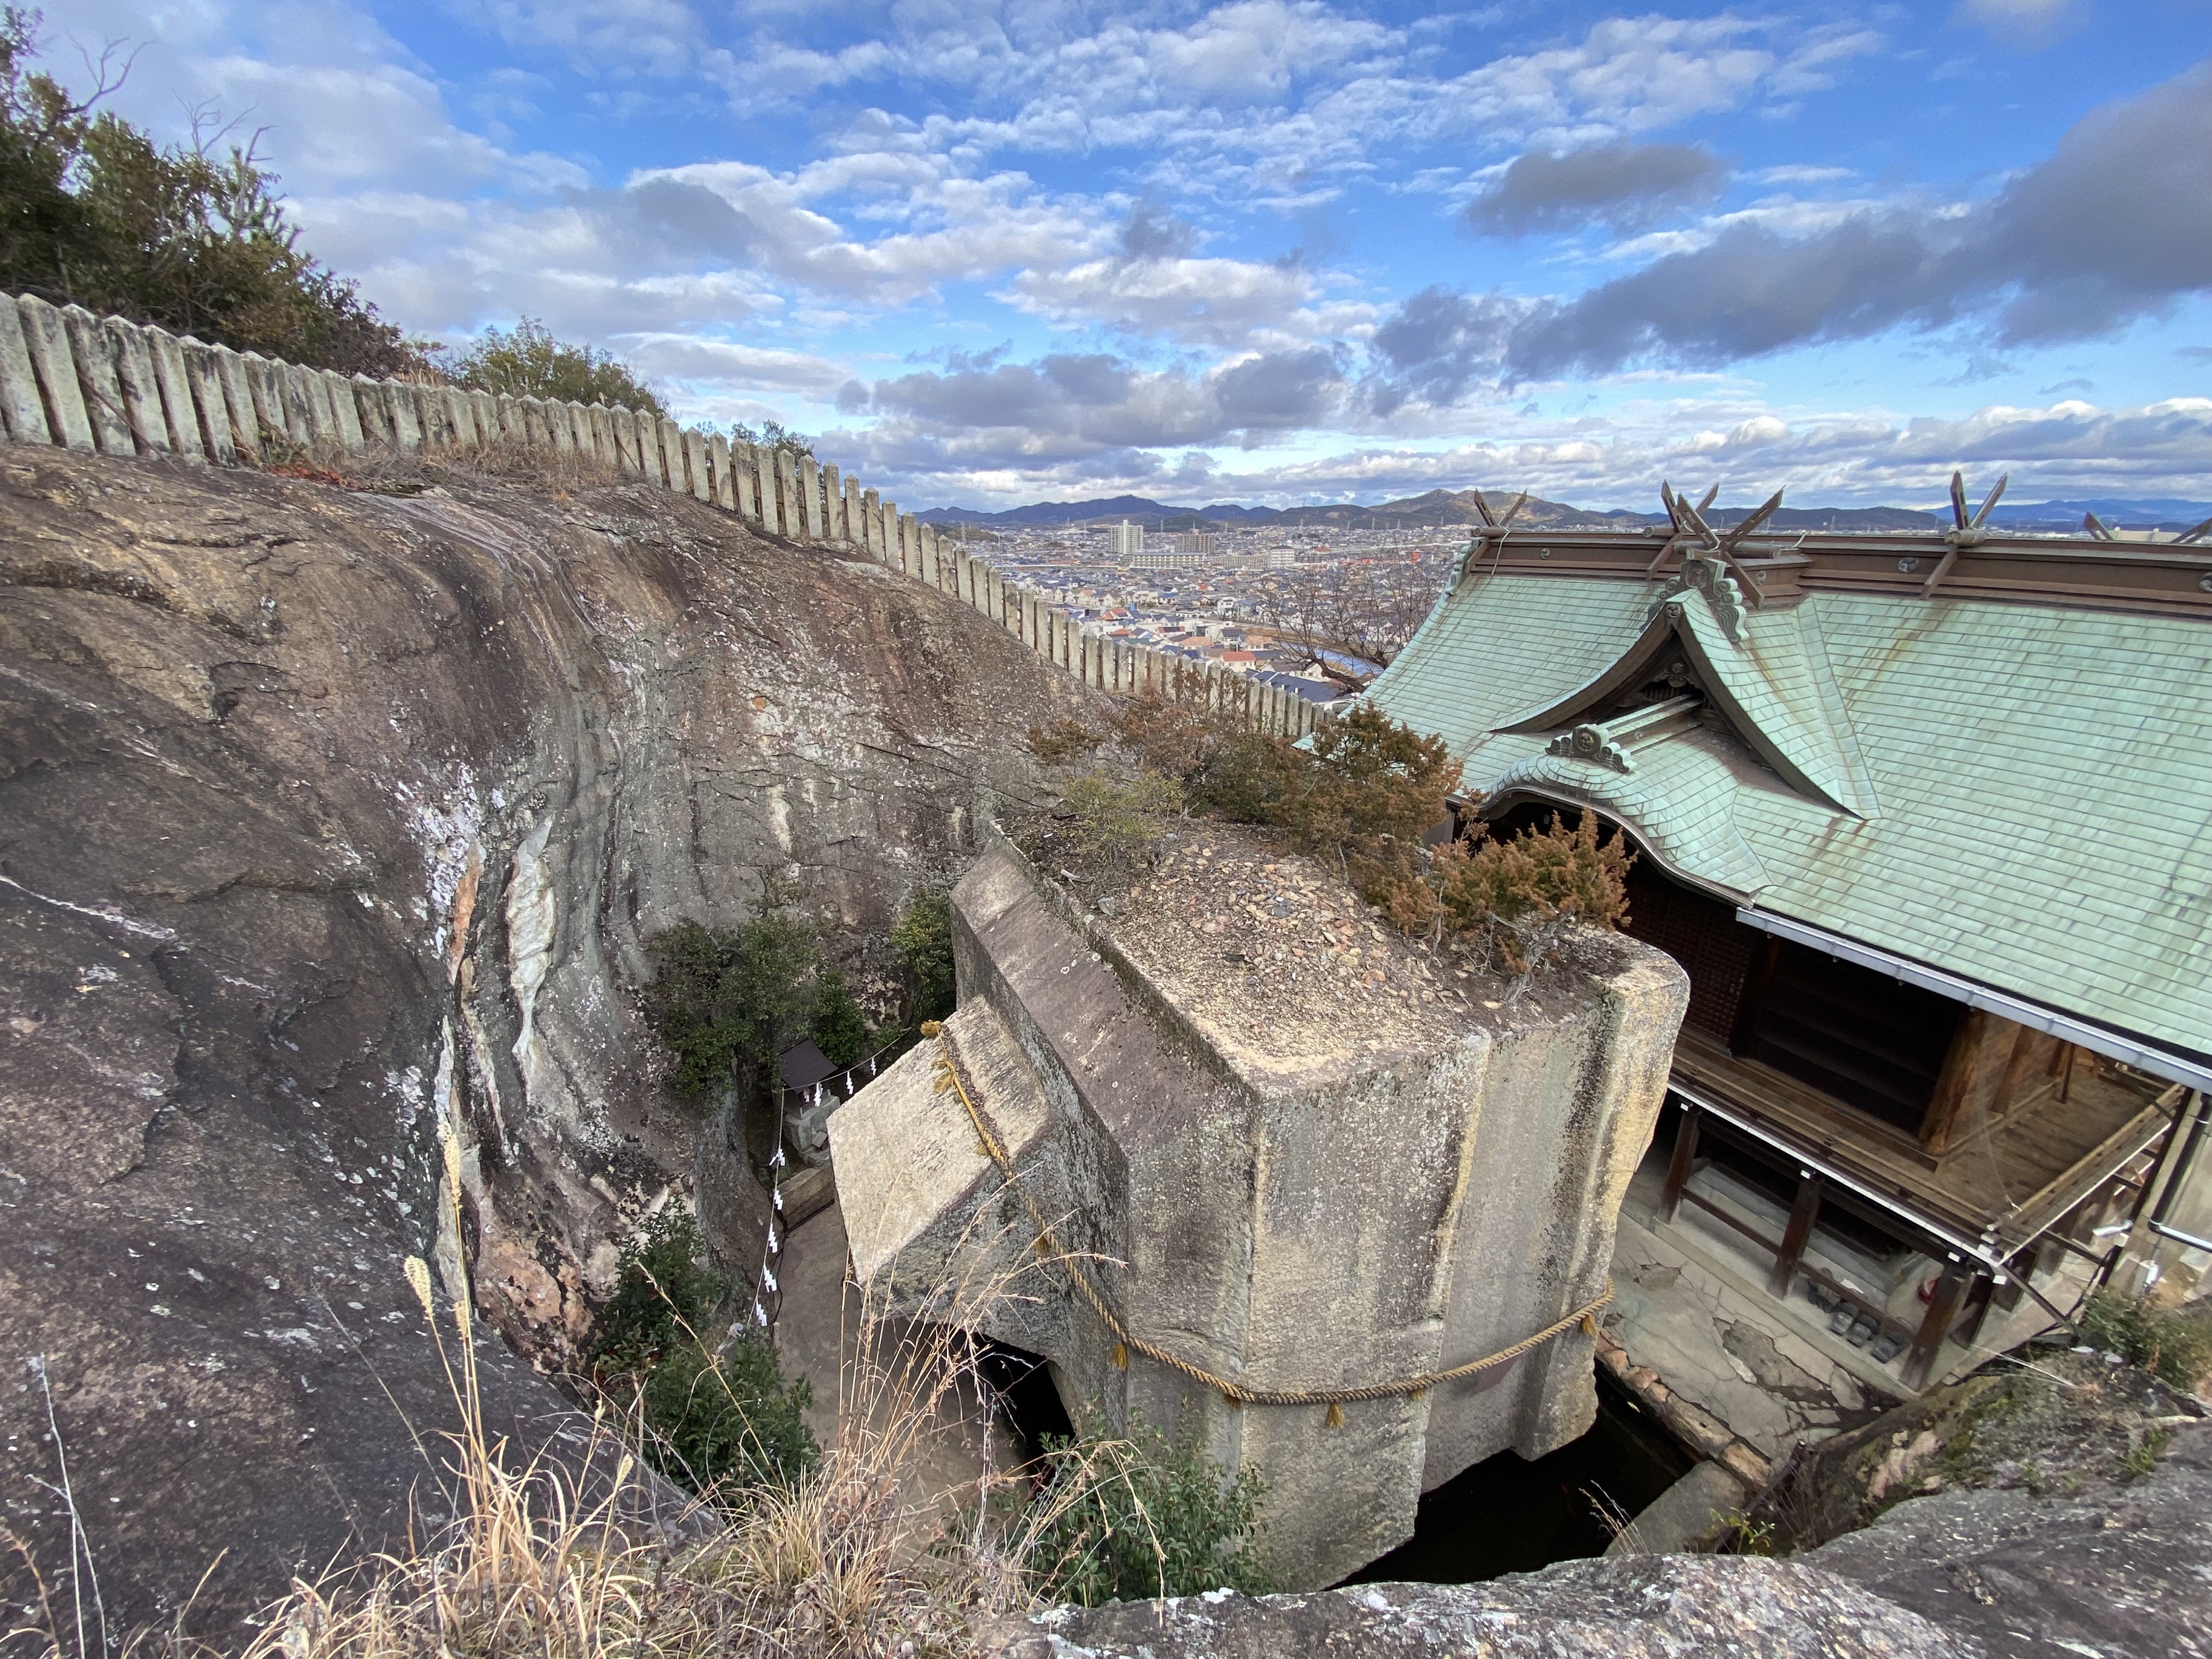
330 128
727 366
1822 458
1218 302
662 37
1251 52
1783 215
954 228
2022 21
971 170
1281 105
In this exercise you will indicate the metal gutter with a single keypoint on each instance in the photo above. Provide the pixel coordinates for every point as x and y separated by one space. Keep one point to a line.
2179 1174
2098 1039
2180 1237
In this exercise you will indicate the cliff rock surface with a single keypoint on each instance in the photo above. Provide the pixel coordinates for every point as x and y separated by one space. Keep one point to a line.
327 818
2116 1570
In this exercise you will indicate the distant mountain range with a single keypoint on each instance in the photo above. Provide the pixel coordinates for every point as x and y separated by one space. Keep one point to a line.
1436 508
1441 509
2164 513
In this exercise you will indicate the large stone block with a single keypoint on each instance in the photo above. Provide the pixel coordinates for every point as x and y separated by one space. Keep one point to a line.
694 458
810 494
717 458
346 411
307 408
746 468
405 414
771 514
786 486
1379 1175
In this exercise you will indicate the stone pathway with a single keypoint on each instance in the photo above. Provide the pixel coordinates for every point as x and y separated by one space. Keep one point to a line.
819 1337
1720 1341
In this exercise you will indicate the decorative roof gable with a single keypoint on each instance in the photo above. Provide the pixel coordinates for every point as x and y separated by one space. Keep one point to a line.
1702 654
2037 731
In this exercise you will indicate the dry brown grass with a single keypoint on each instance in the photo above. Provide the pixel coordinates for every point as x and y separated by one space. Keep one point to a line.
858 1558
383 469
862 1558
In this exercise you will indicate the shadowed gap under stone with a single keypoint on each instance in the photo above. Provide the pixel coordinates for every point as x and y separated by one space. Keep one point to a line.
1511 1514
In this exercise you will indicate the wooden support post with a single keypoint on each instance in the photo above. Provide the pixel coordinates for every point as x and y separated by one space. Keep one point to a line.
1802 1214
1983 1294
1936 1325
1677 1167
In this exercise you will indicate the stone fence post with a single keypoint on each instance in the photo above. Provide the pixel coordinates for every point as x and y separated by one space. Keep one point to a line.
116 387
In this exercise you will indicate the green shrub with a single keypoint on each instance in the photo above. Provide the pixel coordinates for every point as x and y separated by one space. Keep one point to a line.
1371 778
727 1001
773 434
1062 741
1144 1516
1171 739
663 1290
723 1422
923 940
1251 778
840 1028
1115 823
1365 779
527 362
2171 1344
1520 896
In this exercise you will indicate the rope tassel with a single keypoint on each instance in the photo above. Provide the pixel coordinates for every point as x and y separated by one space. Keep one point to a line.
1335 1415
1121 1356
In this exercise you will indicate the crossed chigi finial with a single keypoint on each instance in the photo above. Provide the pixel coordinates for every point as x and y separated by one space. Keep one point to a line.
1688 534
1689 530
1492 529
1966 530
2100 530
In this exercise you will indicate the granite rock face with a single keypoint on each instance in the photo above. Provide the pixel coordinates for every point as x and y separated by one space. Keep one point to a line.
1643 1608
326 817
2118 1571
1293 1193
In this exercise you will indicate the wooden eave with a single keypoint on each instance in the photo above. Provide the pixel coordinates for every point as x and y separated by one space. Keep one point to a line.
2049 1156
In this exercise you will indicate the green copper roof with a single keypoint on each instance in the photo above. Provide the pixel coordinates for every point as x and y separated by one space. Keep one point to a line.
2018 794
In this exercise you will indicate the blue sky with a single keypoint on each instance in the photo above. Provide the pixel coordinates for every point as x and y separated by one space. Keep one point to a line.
1281 252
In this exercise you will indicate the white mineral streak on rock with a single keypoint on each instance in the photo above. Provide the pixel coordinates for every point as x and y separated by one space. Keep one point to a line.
446 833
779 817
406 1088
485 1075
533 912
447 1251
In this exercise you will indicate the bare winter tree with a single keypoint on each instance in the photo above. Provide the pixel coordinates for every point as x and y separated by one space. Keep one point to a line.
1361 608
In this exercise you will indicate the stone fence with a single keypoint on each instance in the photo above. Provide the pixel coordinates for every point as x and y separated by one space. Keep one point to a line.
70 378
